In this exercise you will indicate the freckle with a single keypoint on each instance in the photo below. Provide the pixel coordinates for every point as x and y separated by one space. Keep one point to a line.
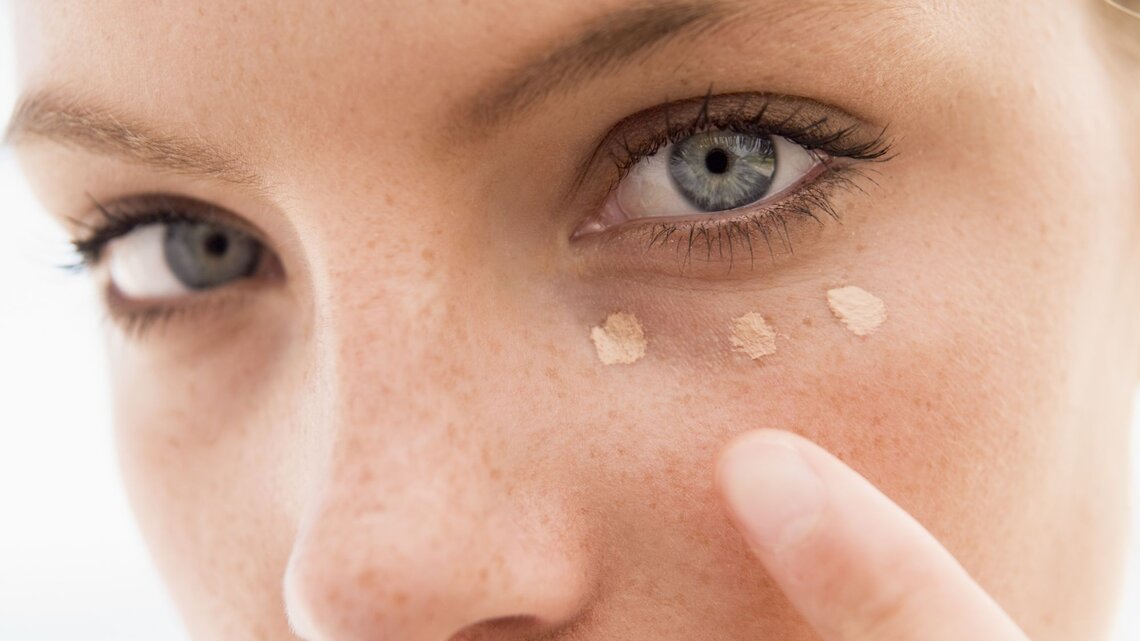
860 247
368 578
807 321
389 200
364 476
428 255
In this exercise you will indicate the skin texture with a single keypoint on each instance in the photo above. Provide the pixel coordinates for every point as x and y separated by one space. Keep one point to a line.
408 433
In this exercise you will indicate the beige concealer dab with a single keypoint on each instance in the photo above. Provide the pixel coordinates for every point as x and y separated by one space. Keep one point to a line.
619 340
752 335
860 311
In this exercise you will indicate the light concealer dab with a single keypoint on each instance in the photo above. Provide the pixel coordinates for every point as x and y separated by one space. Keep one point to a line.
860 312
619 340
752 335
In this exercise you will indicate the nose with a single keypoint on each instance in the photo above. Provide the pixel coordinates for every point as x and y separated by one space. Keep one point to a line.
431 562
428 521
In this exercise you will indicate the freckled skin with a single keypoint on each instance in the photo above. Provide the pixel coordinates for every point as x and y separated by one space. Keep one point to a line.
411 436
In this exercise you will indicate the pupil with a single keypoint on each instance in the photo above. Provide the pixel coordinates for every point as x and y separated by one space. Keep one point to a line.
717 161
216 244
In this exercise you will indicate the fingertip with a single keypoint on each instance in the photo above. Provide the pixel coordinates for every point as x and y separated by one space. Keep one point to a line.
772 491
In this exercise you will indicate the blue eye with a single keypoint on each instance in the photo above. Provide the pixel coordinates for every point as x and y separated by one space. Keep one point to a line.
202 255
167 260
723 170
707 172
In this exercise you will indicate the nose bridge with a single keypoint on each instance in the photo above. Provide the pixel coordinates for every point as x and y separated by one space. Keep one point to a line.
411 530
389 332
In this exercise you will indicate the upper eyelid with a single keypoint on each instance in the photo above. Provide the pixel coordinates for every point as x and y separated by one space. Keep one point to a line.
116 218
778 114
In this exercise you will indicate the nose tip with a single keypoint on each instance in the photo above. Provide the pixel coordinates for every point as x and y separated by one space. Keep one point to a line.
356 576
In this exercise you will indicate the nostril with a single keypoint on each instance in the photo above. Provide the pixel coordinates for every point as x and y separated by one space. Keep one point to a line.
509 627
353 580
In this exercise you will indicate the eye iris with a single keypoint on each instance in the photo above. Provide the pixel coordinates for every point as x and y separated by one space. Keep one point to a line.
721 170
202 255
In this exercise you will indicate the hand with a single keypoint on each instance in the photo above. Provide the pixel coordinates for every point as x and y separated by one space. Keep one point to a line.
853 563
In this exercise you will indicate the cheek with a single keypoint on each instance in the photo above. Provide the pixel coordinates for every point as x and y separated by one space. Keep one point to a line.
959 407
201 428
937 415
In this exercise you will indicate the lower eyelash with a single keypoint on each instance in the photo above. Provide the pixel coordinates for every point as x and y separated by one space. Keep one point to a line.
753 233
137 323
136 320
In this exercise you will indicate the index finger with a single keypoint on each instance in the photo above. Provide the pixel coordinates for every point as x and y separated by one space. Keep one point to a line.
852 562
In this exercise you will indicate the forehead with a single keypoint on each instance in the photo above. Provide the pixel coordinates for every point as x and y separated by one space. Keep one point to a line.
390 52
284 79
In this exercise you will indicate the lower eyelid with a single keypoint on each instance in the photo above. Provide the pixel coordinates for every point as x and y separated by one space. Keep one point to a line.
735 244
820 171
137 317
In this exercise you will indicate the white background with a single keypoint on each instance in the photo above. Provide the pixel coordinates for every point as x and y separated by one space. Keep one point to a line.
71 563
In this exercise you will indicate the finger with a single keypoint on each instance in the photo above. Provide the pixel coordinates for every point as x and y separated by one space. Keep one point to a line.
854 564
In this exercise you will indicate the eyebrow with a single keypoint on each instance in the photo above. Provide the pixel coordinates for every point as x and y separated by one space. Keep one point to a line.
603 44
52 115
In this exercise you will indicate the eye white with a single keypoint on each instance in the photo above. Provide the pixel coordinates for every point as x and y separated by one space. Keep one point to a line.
648 190
138 268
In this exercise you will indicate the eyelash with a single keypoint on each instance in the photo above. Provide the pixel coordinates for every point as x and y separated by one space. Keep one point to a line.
811 198
753 121
808 202
120 219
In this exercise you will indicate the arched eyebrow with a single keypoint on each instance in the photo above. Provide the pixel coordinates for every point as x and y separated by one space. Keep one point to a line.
598 47
55 116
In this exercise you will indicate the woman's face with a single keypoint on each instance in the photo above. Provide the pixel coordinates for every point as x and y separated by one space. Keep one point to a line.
380 414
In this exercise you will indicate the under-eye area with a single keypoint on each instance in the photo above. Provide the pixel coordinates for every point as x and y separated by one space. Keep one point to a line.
730 180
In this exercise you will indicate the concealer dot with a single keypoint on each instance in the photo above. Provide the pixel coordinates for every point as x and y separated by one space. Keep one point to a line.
752 335
619 340
858 310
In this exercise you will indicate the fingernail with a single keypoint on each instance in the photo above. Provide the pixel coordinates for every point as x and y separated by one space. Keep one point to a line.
774 493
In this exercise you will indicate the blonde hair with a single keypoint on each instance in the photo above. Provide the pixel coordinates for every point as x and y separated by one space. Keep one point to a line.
1122 20
1120 38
